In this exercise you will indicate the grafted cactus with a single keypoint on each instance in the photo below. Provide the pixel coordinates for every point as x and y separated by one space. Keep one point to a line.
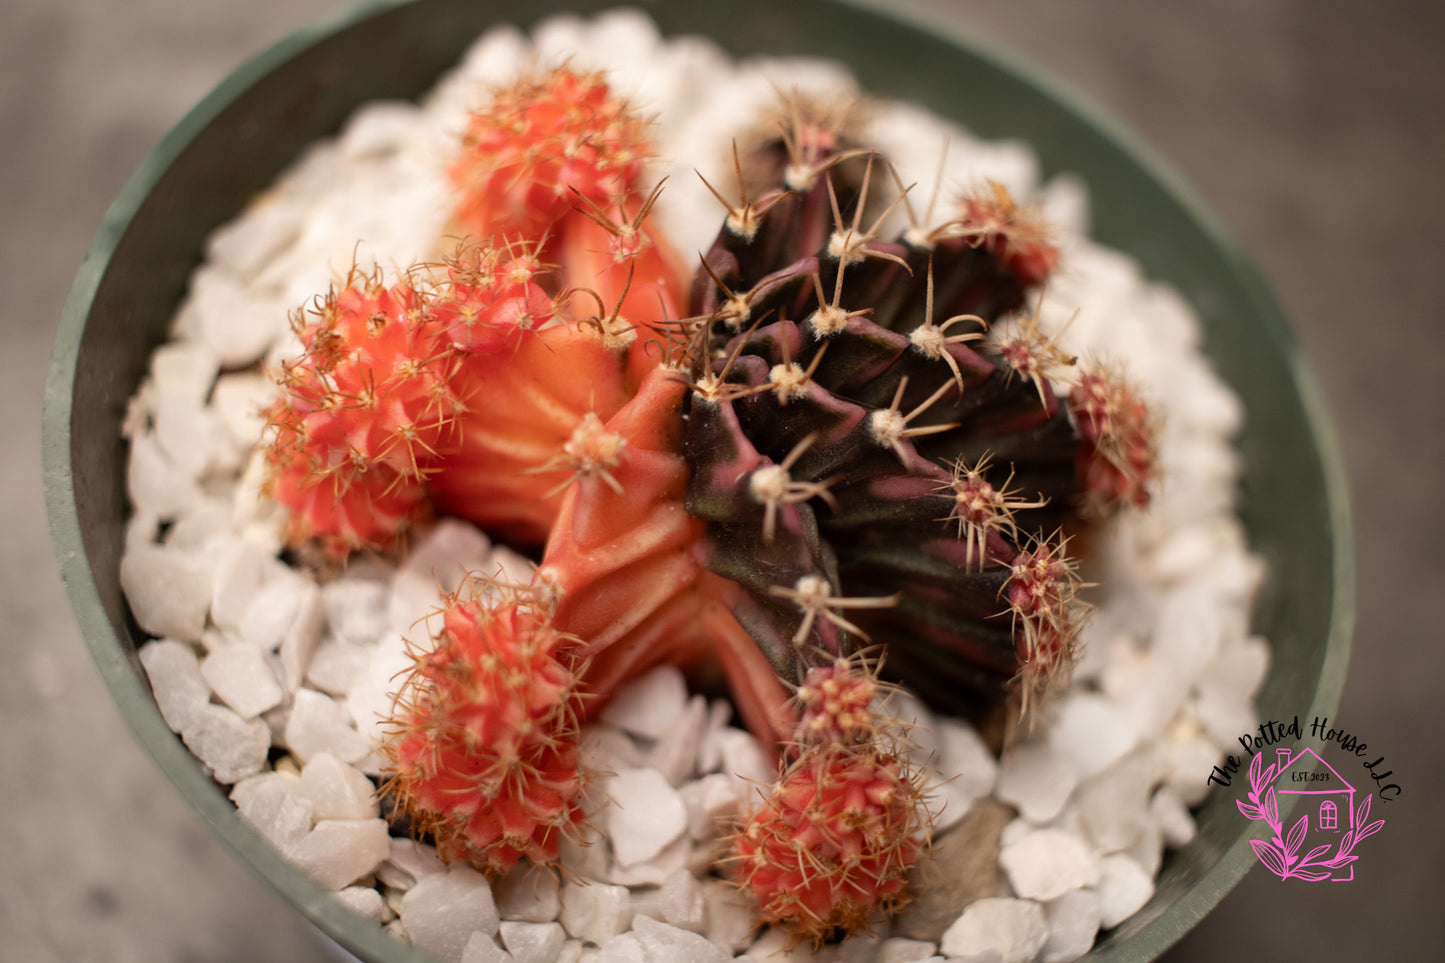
832 441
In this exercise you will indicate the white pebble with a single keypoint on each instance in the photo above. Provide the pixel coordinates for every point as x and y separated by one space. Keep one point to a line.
236 324
336 666
1148 849
240 677
356 609
245 245
528 894
682 901
229 746
1112 805
481 948
275 809
1172 817
442 911
370 701
176 680
533 942
1188 764
709 750
1073 922
662 943
898 949
711 802
1046 863
411 859
336 790
203 526
341 851
647 814
301 637
381 127
169 591
622 948
675 752
1092 730
594 912
965 759
363 901
239 401
272 609
242 567
1036 778
438 563
317 724
607 749
1123 889
185 369
1015 928
185 432
649 706
653 870
730 916
746 762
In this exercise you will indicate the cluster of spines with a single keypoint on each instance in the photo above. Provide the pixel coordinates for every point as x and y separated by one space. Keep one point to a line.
829 849
364 410
483 738
539 146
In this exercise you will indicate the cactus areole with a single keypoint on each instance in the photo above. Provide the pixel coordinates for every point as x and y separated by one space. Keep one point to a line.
822 442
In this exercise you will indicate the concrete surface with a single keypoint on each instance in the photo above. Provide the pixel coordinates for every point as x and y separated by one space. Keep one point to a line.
1312 127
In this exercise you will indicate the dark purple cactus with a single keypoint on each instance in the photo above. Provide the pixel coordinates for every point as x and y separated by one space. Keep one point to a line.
870 467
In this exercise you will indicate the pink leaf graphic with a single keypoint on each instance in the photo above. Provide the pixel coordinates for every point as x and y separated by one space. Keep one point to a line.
1256 769
1271 807
1296 836
1315 853
1250 812
1267 855
1363 812
1311 875
1339 861
1270 773
1370 830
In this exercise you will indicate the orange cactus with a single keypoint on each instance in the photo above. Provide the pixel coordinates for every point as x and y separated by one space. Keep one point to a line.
364 409
538 147
483 741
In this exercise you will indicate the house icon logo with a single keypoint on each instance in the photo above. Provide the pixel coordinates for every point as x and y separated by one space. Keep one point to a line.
1319 845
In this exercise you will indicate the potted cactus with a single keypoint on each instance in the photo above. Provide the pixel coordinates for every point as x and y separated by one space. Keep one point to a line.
803 464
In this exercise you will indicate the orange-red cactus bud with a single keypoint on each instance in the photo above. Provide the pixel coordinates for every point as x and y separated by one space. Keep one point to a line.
538 146
484 737
833 843
363 412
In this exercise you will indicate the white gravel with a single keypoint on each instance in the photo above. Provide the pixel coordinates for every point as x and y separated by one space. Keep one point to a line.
255 662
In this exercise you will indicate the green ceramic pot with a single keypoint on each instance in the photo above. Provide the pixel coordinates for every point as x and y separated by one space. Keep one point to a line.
239 138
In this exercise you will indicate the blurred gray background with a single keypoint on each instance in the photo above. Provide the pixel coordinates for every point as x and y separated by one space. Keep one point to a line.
1315 129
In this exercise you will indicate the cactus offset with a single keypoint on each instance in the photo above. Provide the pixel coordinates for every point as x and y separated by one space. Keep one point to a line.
483 741
364 409
830 848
